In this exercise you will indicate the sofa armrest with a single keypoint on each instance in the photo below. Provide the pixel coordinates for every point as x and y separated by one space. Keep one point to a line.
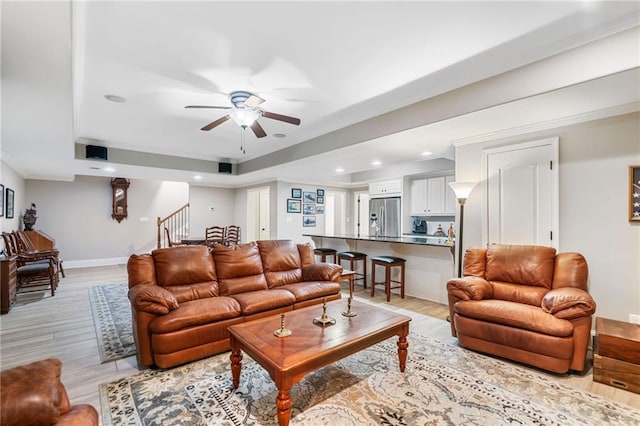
152 299
568 303
322 272
80 415
470 288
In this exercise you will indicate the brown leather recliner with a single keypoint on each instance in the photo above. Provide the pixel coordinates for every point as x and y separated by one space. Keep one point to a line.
524 303
33 395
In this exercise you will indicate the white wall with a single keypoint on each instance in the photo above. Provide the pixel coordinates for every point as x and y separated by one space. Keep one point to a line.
223 214
78 215
594 161
11 179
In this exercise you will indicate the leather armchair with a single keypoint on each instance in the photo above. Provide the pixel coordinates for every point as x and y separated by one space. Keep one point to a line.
524 303
33 395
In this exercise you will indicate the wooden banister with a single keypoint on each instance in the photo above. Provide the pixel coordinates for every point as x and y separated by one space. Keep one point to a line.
177 223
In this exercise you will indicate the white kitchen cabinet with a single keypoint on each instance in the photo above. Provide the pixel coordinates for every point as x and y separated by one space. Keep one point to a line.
389 188
418 200
432 197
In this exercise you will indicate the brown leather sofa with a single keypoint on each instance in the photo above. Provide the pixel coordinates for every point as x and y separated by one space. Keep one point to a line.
183 299
33 395
524 303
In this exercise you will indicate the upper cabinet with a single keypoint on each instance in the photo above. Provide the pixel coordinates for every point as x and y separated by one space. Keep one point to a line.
388 188
432 197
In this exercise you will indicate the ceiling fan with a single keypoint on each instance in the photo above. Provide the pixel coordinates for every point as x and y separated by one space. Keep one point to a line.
245 113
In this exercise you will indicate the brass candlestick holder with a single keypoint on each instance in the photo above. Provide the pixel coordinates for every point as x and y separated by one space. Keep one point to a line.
349 312
282 331
325 319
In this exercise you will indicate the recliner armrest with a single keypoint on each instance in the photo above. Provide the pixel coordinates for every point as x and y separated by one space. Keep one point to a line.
322 272
568 303
470 288
152 299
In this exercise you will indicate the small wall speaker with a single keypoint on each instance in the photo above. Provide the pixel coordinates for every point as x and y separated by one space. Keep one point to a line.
96 152
224 167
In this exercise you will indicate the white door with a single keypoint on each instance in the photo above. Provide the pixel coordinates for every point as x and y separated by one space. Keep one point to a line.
257 214
335 212
521 203
361 213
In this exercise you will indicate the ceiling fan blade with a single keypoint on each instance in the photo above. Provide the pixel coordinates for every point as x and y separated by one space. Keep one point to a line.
280 117
253 101
258 130
216 123
207 106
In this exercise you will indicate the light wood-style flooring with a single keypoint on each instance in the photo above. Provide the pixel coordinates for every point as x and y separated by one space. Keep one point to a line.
40 326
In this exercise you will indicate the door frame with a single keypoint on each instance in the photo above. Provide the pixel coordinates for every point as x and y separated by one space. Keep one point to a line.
554 143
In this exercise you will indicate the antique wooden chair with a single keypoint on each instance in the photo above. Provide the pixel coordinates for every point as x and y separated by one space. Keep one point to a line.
170 242
32 269
214 235
25 246
232 235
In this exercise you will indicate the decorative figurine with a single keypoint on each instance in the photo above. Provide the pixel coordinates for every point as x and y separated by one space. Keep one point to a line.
324 319
282 331
450 235
349 312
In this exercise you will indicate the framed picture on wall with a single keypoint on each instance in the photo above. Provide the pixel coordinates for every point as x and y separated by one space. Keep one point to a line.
308 208
320 200
308 221
296 193
634 193
320 192
319 209
294 206
309 197
1 200
9 209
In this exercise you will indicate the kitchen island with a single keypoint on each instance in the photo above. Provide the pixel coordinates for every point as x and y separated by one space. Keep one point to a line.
430 260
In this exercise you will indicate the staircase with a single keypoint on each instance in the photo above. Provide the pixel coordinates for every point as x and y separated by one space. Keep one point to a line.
178 225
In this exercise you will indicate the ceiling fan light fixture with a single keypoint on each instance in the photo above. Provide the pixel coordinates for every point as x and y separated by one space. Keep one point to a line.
244 117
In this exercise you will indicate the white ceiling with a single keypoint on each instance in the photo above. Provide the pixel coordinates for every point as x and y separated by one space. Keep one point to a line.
342 68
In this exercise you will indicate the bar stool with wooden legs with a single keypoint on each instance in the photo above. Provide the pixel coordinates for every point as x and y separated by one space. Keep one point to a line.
387 262
353 257
324 253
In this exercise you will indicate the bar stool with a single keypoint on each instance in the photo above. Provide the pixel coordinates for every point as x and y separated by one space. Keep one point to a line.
353 257
324 253
387 262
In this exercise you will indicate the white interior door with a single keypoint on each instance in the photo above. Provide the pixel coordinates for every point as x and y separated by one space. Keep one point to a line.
258 214
264 231
521 202
361 213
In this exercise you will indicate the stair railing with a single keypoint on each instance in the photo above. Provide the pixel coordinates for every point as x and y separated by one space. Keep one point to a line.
178 225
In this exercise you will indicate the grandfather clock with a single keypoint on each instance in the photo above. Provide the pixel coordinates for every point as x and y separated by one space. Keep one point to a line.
119 186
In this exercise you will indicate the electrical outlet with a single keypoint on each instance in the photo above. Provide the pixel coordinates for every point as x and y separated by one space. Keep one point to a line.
634 318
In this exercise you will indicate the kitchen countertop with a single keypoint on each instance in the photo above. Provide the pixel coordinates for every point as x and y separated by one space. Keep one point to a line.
405 239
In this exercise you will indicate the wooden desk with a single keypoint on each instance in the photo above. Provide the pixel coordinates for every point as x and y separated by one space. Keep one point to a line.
310 347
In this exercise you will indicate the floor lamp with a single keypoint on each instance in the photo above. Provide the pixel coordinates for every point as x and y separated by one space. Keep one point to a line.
462 191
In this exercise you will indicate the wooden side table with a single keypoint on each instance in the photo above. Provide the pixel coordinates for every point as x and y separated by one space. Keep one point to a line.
8 283
616 358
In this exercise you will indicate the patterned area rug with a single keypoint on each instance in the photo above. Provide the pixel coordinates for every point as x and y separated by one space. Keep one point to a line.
443 384
112 319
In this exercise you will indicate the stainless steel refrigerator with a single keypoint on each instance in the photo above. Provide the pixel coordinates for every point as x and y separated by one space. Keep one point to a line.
387 215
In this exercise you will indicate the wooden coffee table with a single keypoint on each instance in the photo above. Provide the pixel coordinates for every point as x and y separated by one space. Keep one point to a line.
310 347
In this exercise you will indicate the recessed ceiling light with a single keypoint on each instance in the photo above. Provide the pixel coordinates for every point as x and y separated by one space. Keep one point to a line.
339 170
197 177
426 153
115 98
109 169
94 168
376 163
279 135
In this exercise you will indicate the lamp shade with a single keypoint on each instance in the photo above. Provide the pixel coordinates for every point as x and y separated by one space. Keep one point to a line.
462 189
244 117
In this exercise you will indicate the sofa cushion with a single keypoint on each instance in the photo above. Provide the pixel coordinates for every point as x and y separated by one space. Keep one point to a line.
280 261
308 290
239 268
196 312
306 255
183 265
527 294
188 292
515 315
141 270
521 264
254 302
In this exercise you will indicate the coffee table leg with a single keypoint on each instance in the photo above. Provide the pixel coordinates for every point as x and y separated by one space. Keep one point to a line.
283 402
402 352
236 363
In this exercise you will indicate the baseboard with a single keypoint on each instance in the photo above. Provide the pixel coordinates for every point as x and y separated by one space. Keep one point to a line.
88 263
